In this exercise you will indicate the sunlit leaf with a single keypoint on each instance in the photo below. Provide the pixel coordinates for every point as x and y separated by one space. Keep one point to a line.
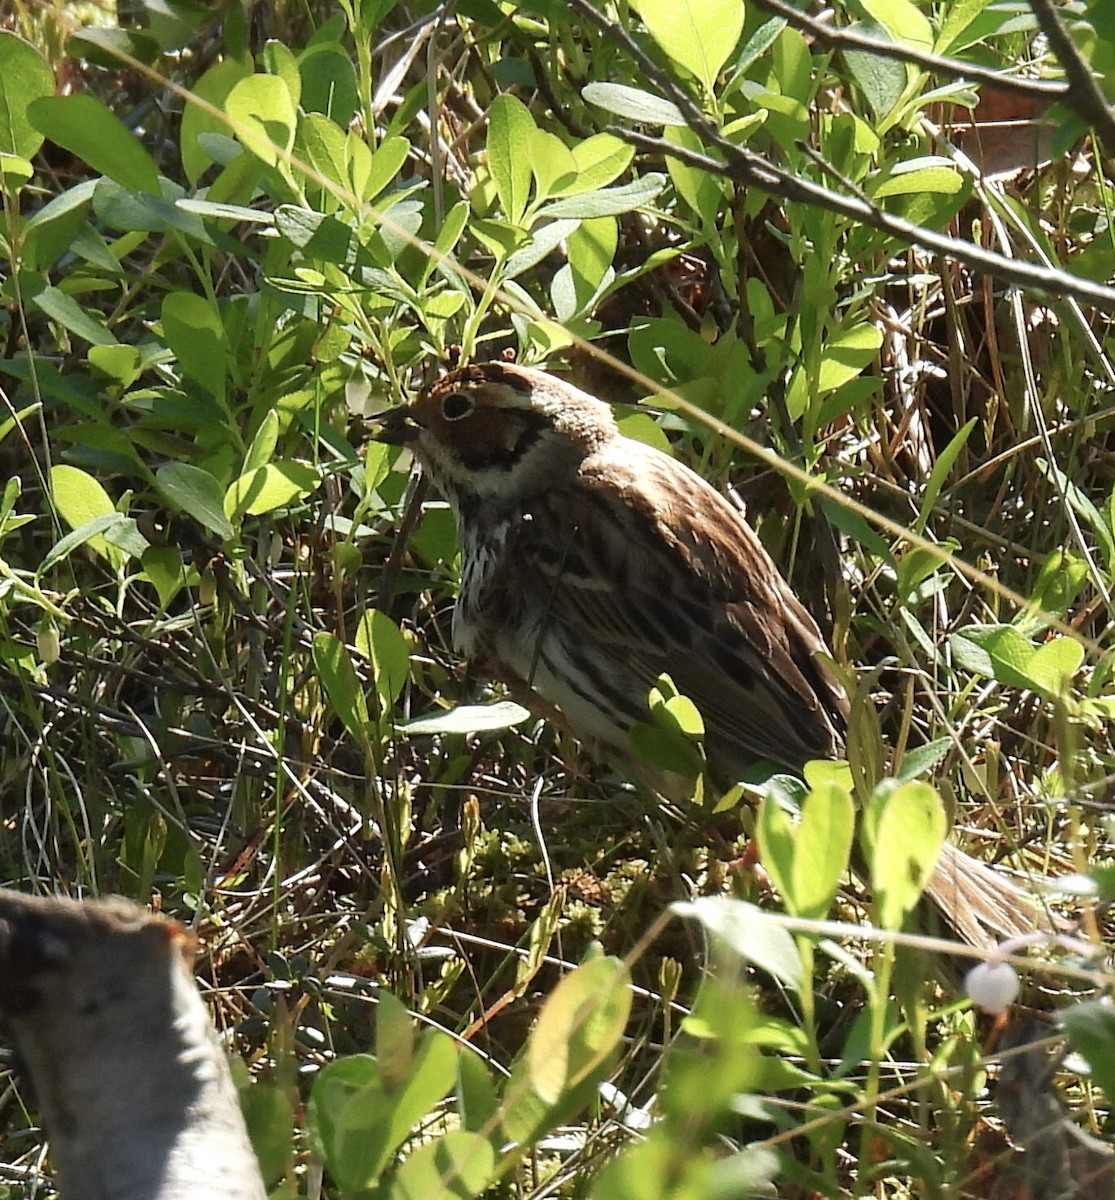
510 131
24 78
470 718
697 34
752 934
634 103
580 1025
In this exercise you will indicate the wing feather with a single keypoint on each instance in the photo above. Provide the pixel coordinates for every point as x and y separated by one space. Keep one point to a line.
650 569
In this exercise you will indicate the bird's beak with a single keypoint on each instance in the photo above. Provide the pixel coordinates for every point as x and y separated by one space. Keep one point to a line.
396 426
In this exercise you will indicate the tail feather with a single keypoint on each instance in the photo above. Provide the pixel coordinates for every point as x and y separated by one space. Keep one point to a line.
981 903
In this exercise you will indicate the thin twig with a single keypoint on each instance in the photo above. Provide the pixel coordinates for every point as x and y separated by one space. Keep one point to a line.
1084 95
746 167
852 39
755 171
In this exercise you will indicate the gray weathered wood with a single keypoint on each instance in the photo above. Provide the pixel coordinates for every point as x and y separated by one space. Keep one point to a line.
133 1085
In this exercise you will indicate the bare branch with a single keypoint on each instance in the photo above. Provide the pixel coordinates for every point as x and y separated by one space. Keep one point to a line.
746 167
1084 95
754 170
953 68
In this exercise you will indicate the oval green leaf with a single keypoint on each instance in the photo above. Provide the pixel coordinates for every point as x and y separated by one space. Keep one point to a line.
24 78
457 1166
697 34
81 124
191 490
580 1025
470 718
633 103
341 683
510 129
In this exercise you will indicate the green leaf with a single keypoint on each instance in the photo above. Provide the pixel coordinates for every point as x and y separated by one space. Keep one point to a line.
269 1115
128 211
97 533
552 163
510 131
477 1102
882 80
324 146
321 236
212 89
700 189
470 718
911 180
263 116
342 684
806 860
446 241
346 1118
996 651
328 82
919 563
79 499
580 1025
165 571
191 490
904 21
1052 666
82 124
387 161
193 330
15 171
381 642
430 1079
394 1041
754 935
279 62
544 240
607 202
697 34
456 1166
1091 1026
922 759
846 354
591 249
822 843
855 526
1059 582
264 489
24 78
600 160
633 103
122 364
642 427
265 442
499 237
908 830
941 470
70 315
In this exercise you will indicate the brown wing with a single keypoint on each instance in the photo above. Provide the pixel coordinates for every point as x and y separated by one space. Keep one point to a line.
659 574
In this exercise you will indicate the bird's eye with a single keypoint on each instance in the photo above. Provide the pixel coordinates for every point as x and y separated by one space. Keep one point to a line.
457 405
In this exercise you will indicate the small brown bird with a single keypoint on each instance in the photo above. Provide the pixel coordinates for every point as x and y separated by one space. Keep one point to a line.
591 564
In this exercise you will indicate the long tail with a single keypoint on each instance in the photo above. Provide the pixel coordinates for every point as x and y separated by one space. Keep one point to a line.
981 903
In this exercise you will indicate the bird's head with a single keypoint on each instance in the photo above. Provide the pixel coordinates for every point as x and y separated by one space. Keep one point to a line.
497 428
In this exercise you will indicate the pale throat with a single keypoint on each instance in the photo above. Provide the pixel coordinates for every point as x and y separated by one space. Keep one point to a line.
494 492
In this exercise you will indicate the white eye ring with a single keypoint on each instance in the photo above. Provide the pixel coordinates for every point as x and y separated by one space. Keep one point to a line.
457 405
